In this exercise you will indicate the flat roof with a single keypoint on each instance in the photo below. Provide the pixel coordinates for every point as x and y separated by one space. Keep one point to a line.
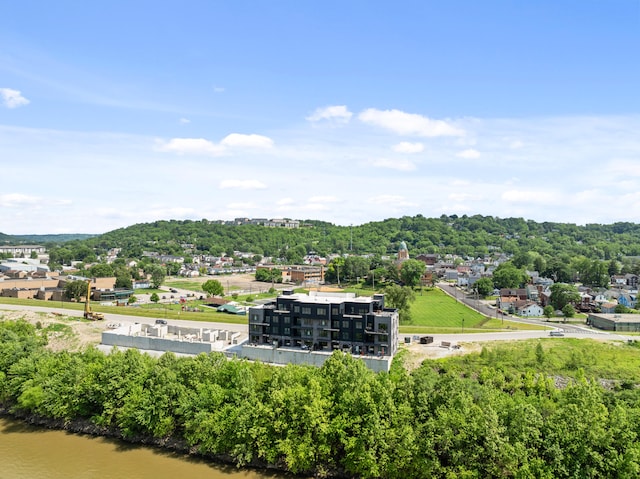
328 298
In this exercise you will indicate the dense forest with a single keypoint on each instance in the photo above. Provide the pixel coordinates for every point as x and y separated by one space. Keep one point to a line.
41 239
466 236
498 413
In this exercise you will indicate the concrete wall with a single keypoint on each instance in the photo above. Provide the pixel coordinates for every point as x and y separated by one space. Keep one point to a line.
155 344
268 354
154 338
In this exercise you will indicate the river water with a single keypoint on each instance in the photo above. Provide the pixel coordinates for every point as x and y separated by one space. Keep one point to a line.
28 452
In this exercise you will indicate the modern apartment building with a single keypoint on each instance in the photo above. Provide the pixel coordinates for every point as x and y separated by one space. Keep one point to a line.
326 322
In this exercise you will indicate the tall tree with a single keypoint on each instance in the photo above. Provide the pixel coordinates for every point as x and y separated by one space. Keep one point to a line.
400 297
213 287
563 294
76 289
158 275
508 276
411 271
484 286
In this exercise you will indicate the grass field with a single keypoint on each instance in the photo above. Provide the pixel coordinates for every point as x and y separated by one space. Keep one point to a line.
568 357
434 311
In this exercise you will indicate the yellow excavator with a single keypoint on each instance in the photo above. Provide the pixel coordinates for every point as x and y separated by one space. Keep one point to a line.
88 314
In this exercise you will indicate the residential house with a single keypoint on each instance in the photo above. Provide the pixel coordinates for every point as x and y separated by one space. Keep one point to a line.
428 259
631 280
530 309
506 303
628 300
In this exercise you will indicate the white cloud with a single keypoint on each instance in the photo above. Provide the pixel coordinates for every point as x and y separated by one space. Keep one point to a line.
184 121
407 147
200 146
408 123
218 89
285 201
624 168
463 197
323 199
194 146
390 200
243 184
468 154
241 206
11 200
238 140
395 164
316 207
539 197
12 98
335 114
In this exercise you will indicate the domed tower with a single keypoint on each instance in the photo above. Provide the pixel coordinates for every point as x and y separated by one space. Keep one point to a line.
403 252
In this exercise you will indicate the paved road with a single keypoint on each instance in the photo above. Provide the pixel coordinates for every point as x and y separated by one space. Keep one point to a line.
570 330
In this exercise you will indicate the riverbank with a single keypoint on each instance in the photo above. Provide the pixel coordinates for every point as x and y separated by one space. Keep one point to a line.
86 428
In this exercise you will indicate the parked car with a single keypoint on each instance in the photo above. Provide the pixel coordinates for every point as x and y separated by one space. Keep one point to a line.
161 321
556 333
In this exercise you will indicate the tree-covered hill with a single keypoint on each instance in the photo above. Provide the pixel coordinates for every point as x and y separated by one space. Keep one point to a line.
42 239
466 235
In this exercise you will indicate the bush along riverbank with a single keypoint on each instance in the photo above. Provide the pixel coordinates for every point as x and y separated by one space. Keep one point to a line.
495 414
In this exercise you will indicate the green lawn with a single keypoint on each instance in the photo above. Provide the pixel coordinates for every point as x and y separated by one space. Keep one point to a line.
436 312
185 284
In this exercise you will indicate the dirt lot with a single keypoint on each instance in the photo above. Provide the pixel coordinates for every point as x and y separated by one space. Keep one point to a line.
64 332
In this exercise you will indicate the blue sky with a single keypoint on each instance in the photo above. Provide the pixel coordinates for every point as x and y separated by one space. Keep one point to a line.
116 113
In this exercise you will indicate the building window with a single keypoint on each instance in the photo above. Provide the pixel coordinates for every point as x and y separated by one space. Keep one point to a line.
358 324
275 320
255 317
306 310
286 319
358 336
296 309
345 336
321 311
287 331
335 311
324 334
346 323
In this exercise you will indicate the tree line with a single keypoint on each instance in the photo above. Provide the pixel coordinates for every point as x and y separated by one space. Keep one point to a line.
478 416
553 244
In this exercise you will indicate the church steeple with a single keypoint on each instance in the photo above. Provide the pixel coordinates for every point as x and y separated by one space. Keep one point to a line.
403 252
